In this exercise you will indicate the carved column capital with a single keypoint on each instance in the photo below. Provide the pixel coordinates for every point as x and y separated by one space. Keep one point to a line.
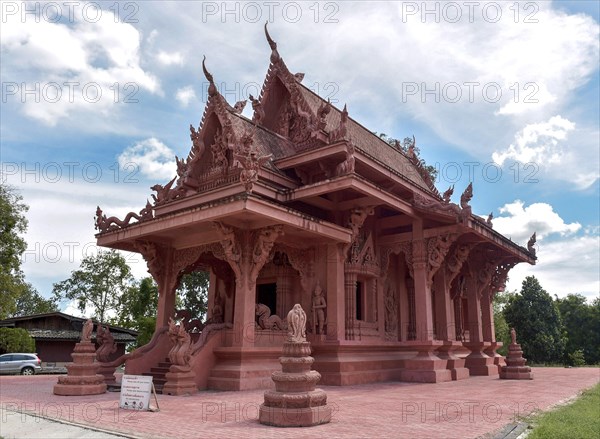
154 254
230 244
437 249
264 240
456 259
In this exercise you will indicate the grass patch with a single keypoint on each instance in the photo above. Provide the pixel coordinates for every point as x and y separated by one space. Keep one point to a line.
580 419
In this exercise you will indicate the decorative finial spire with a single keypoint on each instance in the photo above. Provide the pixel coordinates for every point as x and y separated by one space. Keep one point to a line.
212 88
274 54
531 243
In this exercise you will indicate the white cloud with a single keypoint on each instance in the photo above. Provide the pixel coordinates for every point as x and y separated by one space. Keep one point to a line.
541 143
185 95
169 59
558 148
153 158
520 222
76 68
566 266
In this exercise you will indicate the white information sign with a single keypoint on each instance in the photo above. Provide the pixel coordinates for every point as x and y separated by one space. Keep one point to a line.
135 392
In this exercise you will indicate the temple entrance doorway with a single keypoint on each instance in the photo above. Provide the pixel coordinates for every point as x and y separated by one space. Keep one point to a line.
267 295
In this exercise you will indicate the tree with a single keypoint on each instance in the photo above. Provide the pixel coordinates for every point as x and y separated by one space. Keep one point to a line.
581 325
99 283
405 146
139 300
31 302
193 293
16 340
537 321
138 309
502 330
12 224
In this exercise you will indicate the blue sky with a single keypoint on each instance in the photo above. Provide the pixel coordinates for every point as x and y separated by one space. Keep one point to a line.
505 95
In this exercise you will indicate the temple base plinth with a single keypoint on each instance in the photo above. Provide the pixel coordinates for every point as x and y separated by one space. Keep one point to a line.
180 381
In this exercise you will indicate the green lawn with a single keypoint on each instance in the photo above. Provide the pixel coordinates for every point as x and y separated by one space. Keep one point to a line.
580 419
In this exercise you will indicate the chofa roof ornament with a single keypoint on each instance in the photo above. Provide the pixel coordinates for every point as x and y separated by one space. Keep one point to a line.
212 88
274 54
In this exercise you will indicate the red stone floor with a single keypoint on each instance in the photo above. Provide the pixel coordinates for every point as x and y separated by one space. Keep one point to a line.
459 409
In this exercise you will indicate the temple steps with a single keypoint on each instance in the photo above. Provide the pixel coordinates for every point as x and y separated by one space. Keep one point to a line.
158 374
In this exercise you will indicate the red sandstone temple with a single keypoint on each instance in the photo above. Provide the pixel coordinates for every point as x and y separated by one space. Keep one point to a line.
302 204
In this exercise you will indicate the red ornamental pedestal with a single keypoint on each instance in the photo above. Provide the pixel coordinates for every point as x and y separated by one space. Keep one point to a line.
82 377
181 380
295 402
515 368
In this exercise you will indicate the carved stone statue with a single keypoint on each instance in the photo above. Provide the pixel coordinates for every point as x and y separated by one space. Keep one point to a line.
86 332
489 219
239 106
107 344
466 196
531 243
513 336
319 305
180 353
217 311
296 325
448 194
266 320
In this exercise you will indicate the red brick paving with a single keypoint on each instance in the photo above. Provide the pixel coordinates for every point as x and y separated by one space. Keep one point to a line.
457 409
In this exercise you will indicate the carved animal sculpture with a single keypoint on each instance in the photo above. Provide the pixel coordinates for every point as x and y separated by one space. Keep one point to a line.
266 320
107 344
104 224
190 325
180 353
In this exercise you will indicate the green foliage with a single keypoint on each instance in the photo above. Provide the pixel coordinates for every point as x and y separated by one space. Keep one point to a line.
16 340
12 224
139 301
501 327
193 293
576 358
577 420
100 282
582 327
145 327
537 321
31 302
404 147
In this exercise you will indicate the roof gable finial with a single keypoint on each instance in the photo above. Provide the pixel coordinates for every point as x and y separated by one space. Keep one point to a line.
212 88
274 54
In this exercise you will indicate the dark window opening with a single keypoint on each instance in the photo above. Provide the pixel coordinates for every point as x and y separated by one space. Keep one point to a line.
359 307
267 295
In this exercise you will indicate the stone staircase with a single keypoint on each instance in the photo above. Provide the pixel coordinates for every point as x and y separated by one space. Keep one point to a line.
158 374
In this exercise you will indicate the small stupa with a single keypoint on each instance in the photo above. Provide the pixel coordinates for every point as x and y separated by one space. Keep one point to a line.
515 368
82 377
295 402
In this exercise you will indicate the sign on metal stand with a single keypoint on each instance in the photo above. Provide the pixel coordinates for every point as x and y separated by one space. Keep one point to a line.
135 393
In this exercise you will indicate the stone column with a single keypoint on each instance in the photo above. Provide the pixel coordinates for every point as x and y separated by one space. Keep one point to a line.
335 290
478 362
350 280
423 311
444 308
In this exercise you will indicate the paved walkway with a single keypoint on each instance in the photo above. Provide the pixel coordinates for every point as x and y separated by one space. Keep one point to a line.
475 407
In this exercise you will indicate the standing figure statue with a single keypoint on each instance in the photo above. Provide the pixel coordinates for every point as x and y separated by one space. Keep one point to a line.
86 332
513 336
296 322
318 305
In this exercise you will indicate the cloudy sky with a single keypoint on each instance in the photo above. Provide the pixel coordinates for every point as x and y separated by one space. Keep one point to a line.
97 99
